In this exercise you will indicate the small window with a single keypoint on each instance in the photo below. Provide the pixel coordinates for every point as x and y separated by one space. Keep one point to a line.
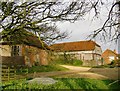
15 50
111 58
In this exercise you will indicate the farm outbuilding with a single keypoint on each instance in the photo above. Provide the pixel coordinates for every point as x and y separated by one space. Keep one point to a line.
87 51
27 50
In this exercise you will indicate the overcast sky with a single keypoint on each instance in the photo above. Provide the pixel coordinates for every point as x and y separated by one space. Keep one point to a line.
82 28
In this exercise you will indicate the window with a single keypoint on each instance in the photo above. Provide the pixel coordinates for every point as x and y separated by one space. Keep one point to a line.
15 51
111 58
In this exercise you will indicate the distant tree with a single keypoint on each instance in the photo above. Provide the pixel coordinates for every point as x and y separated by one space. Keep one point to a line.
39 17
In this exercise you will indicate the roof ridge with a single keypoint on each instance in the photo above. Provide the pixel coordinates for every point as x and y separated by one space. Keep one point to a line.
75 42
111 51
29 38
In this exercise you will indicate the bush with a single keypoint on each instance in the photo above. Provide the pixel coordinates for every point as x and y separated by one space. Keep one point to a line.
112 63
77 62
56 60
74 62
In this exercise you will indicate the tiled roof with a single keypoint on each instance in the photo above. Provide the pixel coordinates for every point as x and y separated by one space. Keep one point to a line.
74 46
27 38
108 52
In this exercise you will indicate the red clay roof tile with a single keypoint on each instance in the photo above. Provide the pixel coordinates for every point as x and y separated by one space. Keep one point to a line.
74 46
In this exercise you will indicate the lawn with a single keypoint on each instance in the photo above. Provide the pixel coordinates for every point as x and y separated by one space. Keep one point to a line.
65 83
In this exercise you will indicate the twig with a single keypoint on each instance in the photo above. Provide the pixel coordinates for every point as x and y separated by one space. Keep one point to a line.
113 82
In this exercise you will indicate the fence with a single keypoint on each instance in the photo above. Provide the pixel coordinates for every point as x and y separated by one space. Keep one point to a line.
8 73
13 72
10 65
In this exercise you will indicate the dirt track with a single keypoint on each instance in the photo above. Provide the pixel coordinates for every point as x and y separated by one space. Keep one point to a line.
96 73
81 72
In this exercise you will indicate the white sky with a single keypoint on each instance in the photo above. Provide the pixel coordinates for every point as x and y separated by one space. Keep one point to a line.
82 28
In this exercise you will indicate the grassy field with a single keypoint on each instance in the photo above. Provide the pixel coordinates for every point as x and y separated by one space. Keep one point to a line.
65 83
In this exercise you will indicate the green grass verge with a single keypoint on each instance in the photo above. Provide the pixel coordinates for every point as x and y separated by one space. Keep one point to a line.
66 83
47 68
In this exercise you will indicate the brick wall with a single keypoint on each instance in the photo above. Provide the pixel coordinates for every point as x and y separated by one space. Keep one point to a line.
33 55
107 54
16 60
43 57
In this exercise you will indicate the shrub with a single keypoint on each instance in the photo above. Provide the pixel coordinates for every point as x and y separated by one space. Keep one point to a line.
74 62
112 63
77 62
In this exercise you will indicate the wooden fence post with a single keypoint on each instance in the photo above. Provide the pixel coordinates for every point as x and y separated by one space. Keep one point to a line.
14 73
8 73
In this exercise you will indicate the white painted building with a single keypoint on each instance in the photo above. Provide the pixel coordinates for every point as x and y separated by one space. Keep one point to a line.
82 50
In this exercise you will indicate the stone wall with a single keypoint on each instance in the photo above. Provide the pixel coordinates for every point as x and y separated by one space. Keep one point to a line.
92 62
89 63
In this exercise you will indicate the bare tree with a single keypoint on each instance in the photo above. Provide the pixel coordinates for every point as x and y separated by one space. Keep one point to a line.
110 28
37 17
31 16
49 34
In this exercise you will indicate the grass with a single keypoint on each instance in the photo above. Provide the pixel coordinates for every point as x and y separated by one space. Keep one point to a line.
66 83
47 68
